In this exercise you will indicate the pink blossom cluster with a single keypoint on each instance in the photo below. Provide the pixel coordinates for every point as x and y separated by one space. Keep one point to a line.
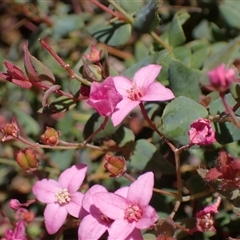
118 96
122 214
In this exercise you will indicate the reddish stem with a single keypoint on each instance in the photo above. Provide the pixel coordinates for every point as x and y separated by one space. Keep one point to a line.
106 9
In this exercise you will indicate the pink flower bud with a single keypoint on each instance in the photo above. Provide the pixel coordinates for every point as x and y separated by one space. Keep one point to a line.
10 130
24 215
104 97
201 132
221 78
14 204
50 136
85 90
17 234
27 160
115 165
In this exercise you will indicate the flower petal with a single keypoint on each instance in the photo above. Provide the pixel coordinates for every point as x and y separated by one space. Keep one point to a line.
122 192
88 197
122 110
122 84
73 177
91 228
135 192
135 235
148 219
157 92
120 229
75 205
54 216
110 204
146 75
45 190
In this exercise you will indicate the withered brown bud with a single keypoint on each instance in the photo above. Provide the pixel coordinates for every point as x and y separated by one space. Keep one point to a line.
95 54
27 160
10 130
115 165
50 136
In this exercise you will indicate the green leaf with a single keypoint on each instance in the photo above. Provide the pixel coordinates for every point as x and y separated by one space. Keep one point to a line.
29 124
60 104
123 136
130 6
174 35
146 155
203 30
65 24
199 57
235 91
94 122
183 54
184 80
224 55
115 34
155 58
147 18
140 50
178 116
62 159
225 132
230 13
44 73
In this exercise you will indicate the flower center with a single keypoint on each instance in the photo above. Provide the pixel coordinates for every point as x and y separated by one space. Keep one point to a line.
63 196
135 93
133 213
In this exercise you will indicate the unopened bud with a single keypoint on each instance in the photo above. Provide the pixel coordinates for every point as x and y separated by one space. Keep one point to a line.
14 204
115 165
27 160
93 72
24 215
85 90
50 136
10 130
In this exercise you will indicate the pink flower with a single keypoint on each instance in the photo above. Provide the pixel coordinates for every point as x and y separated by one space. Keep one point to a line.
201 132
130 213
221 78
205 217
104 97
94 224
14 204
61 196
17 234
15 75
141 88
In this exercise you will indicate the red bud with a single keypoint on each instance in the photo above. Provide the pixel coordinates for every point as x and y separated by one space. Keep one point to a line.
115 165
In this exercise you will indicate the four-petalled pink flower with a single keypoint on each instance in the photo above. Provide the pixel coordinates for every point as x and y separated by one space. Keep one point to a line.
143 87
104 97
201 132
131 213
61 196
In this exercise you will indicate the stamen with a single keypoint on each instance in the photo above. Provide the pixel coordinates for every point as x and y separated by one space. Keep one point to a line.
133 213
135 93
63 196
